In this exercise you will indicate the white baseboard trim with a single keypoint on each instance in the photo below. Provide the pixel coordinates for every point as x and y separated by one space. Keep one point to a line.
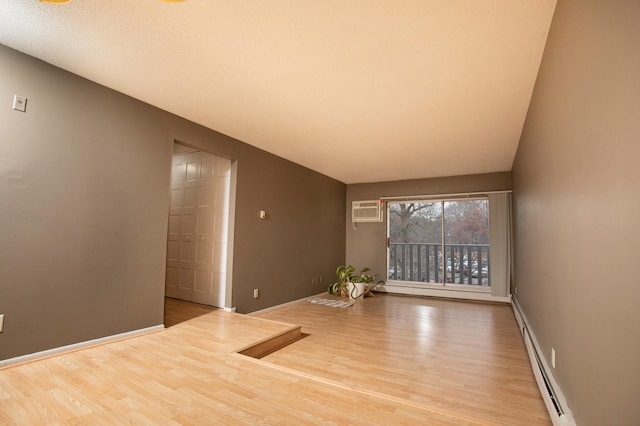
76 346
559 410
273 308
452 294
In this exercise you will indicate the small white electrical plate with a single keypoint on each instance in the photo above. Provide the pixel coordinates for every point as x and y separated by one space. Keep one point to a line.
19 103
256 293
263 214
553 358
1 322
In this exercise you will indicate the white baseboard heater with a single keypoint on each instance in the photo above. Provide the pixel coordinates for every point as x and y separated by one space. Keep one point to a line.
551 393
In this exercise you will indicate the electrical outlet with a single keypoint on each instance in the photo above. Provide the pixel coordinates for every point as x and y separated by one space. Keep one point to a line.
256 293
1 322
553 358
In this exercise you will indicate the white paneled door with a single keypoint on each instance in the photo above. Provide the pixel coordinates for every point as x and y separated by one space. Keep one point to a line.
198 218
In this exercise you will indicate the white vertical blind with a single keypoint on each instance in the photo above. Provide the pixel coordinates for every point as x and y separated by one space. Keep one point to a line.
500 240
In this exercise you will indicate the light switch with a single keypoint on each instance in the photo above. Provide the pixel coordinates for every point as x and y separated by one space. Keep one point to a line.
19 103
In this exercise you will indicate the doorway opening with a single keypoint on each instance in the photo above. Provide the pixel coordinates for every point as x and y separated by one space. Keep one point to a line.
198 228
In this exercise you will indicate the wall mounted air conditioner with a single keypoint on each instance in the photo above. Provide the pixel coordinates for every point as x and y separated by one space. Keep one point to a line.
367 211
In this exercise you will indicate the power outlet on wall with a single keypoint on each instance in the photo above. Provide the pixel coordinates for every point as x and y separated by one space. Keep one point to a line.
553 358
256 293
1 322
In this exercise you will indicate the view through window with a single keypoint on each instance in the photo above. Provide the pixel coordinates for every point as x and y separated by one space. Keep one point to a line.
442 242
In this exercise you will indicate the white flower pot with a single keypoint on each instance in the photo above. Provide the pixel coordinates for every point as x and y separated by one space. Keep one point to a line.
357 292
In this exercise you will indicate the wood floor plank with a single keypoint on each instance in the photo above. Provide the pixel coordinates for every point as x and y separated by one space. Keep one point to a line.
467 357
191 372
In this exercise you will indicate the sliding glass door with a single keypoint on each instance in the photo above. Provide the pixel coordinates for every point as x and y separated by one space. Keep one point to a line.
442 243
415 241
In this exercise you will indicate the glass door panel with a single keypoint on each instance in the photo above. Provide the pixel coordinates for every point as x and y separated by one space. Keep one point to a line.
415 242
466 229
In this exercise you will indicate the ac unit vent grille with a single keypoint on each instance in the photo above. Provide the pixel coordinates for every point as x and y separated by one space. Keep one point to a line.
367 211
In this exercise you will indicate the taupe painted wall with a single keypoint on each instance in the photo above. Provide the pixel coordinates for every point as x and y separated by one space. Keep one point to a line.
577 208
366 246
84 196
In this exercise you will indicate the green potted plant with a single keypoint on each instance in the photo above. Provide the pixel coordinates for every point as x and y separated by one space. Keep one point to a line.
352 284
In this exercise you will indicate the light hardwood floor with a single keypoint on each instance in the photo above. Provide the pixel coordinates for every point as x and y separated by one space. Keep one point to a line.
466 358
387 360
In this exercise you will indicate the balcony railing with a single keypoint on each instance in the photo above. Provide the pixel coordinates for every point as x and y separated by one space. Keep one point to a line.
464 263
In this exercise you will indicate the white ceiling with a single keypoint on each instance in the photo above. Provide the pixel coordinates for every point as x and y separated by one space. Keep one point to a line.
361 91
